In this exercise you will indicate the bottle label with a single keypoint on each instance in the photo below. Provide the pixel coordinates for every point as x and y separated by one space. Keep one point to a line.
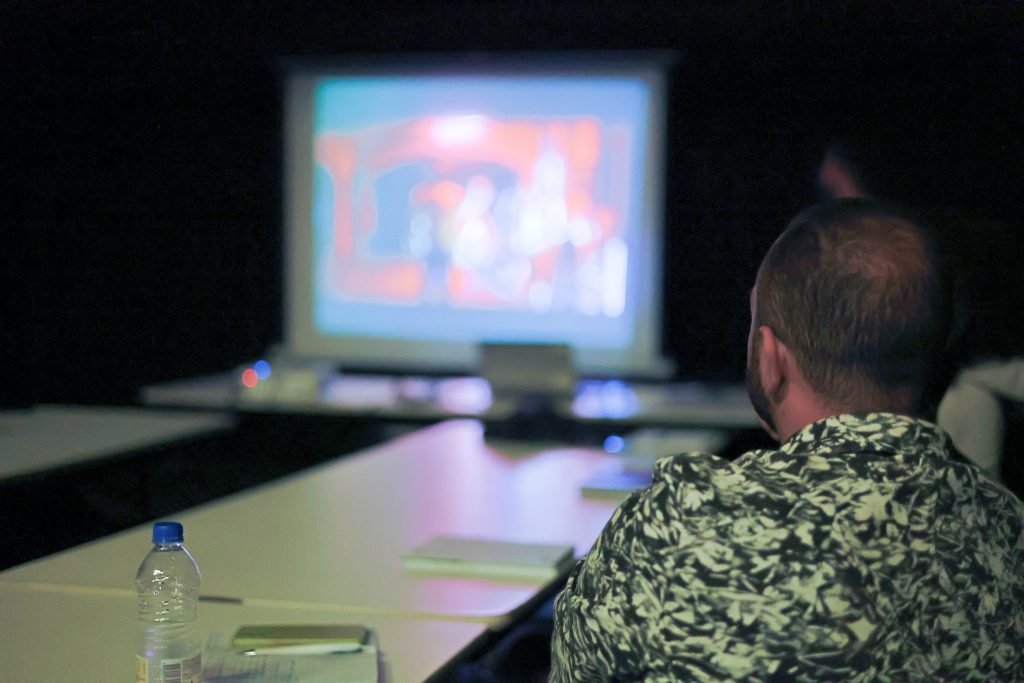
170 670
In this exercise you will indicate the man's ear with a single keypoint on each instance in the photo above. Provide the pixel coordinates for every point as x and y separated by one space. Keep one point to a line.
771 364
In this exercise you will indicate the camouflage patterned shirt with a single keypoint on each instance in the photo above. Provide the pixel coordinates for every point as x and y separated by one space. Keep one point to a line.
861 550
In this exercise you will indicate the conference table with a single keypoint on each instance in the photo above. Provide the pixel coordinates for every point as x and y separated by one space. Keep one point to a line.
65 634
46 438
328 541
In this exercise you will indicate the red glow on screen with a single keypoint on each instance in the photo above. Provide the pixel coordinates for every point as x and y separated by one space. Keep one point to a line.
250 378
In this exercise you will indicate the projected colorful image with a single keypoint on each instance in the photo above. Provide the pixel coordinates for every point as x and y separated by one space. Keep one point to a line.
478 209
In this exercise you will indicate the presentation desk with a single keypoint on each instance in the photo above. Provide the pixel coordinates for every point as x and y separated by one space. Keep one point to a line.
63 634
334 534
675 404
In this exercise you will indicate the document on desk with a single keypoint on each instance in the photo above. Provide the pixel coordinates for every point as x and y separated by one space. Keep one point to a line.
222 664
489 559
641 449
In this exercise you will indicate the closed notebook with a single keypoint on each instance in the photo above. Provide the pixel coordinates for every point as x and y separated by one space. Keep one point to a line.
274 635
489 558
223 663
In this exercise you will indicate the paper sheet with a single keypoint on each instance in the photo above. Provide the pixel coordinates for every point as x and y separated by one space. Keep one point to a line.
222 664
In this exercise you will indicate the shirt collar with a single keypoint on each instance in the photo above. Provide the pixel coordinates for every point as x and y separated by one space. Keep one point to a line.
867 432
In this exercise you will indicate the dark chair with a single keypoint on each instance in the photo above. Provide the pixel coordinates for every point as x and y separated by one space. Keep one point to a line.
1011 466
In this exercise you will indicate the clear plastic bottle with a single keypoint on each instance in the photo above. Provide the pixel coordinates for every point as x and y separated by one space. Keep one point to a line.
168 648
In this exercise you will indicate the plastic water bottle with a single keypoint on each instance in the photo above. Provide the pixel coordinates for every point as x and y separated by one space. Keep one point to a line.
168 648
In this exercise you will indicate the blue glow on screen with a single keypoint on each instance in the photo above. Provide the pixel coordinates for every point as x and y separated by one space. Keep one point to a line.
480 208
262 369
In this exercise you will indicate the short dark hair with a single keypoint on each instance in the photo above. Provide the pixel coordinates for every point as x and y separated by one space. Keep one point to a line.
859 292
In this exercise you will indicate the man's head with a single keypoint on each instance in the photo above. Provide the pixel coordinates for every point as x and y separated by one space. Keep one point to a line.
850 313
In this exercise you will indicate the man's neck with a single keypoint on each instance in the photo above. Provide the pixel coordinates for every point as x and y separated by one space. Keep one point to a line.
801 408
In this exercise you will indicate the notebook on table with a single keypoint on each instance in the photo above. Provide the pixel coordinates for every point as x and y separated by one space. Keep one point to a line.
489 558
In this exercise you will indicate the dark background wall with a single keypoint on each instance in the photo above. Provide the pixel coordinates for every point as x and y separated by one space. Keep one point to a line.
141 178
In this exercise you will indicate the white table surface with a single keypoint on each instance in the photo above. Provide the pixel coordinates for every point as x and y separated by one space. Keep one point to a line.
51 636
334 535
50 436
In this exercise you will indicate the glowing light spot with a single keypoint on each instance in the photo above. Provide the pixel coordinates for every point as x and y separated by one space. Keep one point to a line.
250 378
262 369
456 130
614 444
618 399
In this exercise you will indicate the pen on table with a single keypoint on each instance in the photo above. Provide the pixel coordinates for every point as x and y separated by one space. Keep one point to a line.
306 649
220 598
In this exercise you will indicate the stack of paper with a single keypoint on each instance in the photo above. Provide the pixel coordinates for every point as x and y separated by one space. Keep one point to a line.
489 558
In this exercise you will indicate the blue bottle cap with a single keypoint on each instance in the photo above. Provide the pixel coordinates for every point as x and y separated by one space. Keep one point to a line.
168 532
